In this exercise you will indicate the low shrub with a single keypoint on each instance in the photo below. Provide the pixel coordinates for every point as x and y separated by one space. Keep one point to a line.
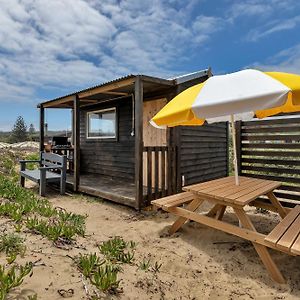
12 277
12 245
117 250
21 203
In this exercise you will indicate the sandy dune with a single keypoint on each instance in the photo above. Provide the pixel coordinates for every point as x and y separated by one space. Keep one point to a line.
197 262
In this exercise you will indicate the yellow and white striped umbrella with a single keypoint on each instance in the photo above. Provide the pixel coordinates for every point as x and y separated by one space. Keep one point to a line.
236 96
244 94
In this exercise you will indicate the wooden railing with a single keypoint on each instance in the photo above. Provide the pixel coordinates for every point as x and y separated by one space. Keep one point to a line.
270 149
159 172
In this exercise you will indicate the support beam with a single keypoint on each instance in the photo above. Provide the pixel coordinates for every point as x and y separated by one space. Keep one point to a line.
138 112
76 137
42 127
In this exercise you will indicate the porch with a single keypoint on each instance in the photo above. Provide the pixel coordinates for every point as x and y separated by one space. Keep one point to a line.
120 191
112 167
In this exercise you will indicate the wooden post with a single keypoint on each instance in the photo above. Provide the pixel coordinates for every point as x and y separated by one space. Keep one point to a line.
138 112
238 126
174 183
42 127
76 134
73 129
235 162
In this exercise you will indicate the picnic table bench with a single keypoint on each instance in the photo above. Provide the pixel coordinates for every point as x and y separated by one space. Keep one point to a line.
223 193
52 169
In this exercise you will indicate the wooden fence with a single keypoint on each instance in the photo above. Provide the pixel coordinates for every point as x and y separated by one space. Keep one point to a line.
270 149
159 172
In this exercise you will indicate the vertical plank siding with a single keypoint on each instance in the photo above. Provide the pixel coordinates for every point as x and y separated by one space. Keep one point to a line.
270 149
203 152
111 158
160 172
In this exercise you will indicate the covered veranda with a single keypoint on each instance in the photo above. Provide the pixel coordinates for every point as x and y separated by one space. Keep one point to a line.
137 88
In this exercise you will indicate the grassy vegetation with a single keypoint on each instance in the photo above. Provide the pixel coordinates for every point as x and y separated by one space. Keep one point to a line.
12 245
9 162
12 277
116 250
38 215
27 210
102 270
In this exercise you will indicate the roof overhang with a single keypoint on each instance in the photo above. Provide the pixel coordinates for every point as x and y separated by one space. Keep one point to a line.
120 88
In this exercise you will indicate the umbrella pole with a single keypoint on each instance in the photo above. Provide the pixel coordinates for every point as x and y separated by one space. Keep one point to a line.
234 150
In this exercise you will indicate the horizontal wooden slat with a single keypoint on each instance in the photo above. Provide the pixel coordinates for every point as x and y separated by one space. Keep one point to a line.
206 171
281 129
278 137
174 200
207 156
210 145
206 177
191 163
205 134
287 187
202 150
268 177
273 170
287 196
275 235
285 146
287 240
270 153
268 161
282 121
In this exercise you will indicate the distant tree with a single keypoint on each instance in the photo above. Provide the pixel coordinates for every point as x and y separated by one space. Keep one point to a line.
31 132
31 129
19 131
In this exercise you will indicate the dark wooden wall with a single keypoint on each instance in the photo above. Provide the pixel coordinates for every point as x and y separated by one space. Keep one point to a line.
270 149
203 152
109 157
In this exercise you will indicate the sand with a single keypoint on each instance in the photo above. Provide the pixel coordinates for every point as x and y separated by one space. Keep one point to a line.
197 262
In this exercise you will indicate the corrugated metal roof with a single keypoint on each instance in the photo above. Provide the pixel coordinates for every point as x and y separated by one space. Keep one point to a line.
95 86
190 76
176 80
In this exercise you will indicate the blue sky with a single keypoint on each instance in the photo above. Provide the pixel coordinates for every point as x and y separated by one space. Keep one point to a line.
51 48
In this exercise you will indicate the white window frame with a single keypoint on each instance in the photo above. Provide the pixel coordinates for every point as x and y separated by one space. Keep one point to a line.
114 137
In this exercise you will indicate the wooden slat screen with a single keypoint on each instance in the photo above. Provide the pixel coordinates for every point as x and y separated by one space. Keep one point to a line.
270 149
160 172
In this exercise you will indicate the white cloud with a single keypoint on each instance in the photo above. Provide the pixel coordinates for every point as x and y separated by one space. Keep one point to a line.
260 8
70 44
273 27
287 60
249 8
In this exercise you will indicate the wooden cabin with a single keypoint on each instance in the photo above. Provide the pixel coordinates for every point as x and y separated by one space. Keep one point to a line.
119 156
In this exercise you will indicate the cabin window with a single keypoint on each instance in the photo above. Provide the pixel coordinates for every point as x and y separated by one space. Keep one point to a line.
102 124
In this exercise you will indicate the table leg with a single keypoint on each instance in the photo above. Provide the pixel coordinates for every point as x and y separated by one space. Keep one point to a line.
217 211
192 206
262 251
282 212
220 212
213 211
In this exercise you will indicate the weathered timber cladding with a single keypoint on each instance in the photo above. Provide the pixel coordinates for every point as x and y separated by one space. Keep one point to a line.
270 149
203 152
113 158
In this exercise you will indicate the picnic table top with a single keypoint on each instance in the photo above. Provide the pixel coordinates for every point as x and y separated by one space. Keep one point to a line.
226 191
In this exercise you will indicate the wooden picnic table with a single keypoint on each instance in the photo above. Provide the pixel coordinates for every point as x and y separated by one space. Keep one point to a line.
223 193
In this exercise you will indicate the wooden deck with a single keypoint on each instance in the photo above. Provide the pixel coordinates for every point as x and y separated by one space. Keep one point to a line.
105 187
